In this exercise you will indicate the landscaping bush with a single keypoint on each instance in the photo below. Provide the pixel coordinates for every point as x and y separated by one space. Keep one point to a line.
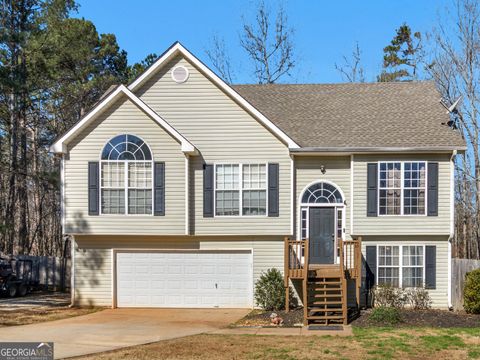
418 298
270 290
385 315
471 292
388 296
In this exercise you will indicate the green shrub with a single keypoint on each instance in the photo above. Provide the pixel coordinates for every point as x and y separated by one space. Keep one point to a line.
385 315
270 290
471 292
388 296
418 298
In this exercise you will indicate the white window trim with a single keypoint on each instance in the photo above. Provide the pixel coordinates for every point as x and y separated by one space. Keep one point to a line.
400 263
402 187
240 189
303 205
125 187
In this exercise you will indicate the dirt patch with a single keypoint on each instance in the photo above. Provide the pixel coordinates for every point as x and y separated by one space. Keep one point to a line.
425 318
262 318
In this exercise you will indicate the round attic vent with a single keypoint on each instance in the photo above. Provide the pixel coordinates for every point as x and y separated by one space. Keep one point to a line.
180 74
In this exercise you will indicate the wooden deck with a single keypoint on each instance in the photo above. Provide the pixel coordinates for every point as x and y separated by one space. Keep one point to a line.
324 286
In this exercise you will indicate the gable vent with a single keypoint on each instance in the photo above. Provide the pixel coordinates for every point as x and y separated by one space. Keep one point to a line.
180 74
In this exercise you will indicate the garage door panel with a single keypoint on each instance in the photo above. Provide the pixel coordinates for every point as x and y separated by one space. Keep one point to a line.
184 279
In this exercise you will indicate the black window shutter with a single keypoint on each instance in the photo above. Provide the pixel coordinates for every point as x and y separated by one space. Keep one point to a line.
208 190
371 266
273 180
430 266
93 188
159 189
432 189
372 173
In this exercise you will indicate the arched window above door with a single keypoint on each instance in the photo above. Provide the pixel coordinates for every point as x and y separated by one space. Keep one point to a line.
322 193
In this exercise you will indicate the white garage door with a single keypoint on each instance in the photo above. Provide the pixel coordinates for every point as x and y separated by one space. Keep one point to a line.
198 279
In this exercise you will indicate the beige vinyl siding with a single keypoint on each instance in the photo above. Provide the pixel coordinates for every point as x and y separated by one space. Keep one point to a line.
396 224
224 133
307 171
124 117
439 295
93 259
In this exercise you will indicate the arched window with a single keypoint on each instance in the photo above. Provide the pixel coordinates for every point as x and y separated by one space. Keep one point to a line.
126 176
322 193
126 147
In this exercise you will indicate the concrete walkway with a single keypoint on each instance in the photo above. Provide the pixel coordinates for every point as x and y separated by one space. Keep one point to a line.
281 331
113 329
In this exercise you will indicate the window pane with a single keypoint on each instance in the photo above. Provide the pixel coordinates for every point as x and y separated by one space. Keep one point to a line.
113 174
113 201
139 201
254 202
390 189
140 175
414 193
388 276
227 177
412 277
227 202
254 176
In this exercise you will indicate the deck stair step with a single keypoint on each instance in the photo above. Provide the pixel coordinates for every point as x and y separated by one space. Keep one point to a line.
327 317
325 303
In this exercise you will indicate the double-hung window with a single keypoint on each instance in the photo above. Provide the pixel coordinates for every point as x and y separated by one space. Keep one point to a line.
126 176
402 188
240 189
401 266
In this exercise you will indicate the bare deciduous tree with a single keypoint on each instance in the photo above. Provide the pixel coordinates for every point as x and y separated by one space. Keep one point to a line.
455 67
352 69
220 59
269 44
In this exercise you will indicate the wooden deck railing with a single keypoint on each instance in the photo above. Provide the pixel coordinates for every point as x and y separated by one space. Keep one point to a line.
351 257
351 262
296 259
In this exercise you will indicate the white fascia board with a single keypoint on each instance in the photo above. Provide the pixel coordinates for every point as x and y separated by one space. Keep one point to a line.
60 145
179 48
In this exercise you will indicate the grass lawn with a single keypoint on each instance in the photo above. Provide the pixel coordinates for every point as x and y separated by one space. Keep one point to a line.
368 343
34 315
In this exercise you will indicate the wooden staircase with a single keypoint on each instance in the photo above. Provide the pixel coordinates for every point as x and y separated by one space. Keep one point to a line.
324 287
326 296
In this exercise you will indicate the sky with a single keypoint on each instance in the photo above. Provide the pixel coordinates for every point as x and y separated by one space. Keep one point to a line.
324 31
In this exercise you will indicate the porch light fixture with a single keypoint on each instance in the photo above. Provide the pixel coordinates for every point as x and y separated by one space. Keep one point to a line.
323 169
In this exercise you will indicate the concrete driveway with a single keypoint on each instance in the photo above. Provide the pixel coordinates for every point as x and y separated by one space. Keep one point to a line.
116 328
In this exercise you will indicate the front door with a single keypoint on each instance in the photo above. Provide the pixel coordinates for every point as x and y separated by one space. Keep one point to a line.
322 235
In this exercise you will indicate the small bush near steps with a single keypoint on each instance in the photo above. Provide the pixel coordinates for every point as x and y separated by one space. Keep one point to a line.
471 292
270 290
385 315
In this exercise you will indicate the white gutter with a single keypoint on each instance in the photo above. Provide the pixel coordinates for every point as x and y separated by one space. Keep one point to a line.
452 227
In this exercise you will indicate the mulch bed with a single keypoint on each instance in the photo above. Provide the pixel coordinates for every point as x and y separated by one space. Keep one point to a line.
262 318
424 318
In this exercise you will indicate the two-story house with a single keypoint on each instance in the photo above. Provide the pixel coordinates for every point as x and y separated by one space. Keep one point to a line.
179 190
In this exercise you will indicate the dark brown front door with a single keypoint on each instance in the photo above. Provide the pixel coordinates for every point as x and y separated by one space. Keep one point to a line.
321 235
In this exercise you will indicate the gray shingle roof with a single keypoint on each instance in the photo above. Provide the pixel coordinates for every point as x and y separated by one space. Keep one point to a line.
369 115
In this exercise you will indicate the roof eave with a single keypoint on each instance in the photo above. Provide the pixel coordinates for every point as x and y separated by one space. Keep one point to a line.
375 150
60 146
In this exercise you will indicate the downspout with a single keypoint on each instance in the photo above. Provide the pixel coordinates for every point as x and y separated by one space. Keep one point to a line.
452 227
